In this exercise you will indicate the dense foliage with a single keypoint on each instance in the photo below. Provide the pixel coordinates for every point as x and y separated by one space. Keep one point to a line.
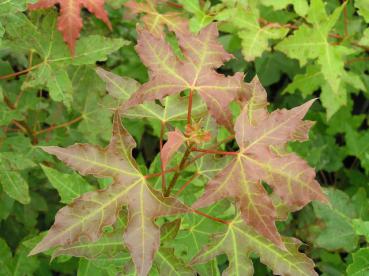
180 140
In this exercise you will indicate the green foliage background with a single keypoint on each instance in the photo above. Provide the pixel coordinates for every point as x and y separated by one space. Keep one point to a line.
299 49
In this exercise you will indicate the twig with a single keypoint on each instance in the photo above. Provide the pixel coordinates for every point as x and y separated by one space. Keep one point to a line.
211 217
25 71
163 184
66 124
210 151
177 173
188 182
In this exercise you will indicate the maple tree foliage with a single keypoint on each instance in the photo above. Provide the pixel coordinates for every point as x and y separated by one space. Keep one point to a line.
86 217
260 135
170 75
70 21
182 84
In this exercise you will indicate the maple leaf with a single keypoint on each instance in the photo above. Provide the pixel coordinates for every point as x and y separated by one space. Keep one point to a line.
70 21
86 217
172 108
334 79
169 75
261 137
174 142
239 241
154 20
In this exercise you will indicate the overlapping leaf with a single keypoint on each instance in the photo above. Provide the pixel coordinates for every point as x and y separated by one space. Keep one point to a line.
330 57
255 38
239 241
154 20
172 108
169 75
261 137
70 21
86 217
52 72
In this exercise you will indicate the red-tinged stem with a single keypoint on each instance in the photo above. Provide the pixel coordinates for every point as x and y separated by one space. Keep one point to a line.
189 108
356 60
66 124
163 184
174 5
25 71
210 151
178 172
188 182
153 175
211 217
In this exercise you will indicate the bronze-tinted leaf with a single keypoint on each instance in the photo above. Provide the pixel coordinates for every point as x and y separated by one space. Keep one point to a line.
259 134
85 218
169 75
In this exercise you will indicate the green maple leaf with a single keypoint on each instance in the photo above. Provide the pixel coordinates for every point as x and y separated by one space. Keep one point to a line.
239 241
69 186
300 6
11 179
54 57
338 231
329 57
363 9
360 263
255 38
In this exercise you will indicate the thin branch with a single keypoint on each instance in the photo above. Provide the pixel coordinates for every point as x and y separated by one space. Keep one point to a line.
66 124
177 173
358 59
189 108
188 182
25 71
210 151
163 184
153 175
211 217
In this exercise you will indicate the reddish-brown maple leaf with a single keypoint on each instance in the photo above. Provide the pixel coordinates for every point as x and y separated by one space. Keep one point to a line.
261 137
70 21
85 218
174 142
154 20
170 75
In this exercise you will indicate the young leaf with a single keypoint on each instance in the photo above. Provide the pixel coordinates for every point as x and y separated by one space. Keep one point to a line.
172 108
261 136
88 215
169 75
174 142
154 20
239 241
70 21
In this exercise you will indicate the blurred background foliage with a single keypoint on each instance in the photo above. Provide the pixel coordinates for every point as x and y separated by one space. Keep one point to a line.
299 49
